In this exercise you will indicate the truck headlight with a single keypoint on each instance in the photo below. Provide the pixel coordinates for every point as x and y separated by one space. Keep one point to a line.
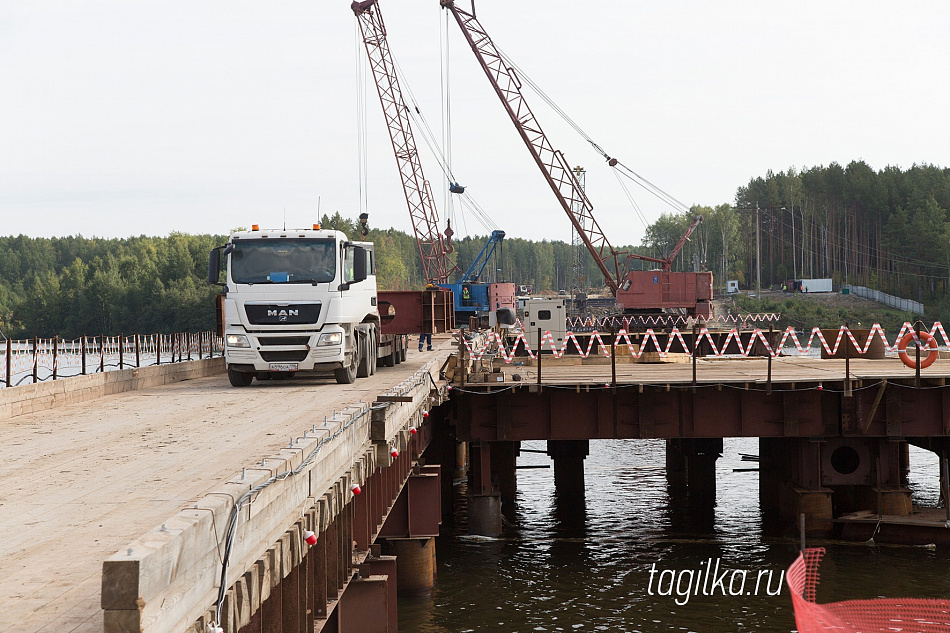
237 340
330 338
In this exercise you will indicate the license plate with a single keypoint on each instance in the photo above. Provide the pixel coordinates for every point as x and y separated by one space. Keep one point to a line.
283 366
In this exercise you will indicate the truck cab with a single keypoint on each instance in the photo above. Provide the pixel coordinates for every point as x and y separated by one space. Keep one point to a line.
296 301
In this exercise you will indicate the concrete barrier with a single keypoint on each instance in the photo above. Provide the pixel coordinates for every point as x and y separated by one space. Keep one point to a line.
51 394
166 580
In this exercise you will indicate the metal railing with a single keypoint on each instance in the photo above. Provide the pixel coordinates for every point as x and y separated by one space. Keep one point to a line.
37 360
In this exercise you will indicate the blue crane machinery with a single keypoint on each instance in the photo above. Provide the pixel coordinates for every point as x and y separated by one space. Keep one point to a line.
473 273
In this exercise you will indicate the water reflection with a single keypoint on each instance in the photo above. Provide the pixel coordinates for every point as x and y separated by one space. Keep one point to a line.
585 565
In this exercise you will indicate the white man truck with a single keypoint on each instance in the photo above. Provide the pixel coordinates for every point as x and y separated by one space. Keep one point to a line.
300 302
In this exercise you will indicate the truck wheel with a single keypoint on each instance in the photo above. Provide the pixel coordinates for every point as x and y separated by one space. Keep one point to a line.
373 352
363 344
346 375
239 378
390 359
402 354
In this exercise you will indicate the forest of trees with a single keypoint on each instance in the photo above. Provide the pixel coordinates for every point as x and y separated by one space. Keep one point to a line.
75 285
888 229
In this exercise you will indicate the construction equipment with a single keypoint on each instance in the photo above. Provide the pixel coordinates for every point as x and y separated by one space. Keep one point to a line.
300 302
434 247
472 298
637 291
474 272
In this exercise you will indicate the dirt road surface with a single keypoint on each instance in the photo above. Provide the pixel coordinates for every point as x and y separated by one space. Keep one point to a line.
80 482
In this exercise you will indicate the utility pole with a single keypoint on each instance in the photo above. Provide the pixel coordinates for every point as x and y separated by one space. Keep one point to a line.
758 255
794 260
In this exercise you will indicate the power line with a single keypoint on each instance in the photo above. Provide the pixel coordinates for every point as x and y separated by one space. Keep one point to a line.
614 163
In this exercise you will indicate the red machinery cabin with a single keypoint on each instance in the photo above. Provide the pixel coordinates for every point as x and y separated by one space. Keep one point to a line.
649 290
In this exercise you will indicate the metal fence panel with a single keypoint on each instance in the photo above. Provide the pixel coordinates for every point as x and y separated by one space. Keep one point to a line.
907 305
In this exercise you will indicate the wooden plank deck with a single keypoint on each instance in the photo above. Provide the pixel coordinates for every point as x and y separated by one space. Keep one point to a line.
751 371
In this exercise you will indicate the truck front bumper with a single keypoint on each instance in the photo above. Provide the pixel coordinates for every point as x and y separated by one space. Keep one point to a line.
270 352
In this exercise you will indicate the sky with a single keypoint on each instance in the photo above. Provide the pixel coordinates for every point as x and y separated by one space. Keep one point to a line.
126 118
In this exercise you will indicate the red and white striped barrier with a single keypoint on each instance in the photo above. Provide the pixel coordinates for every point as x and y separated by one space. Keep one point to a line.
495 344
625 322
666 320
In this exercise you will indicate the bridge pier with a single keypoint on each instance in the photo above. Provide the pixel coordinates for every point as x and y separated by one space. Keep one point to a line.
827 478
691 478
504 460
461 459
675 469
484 501
568 456
691 467
415 565
790 485
883 465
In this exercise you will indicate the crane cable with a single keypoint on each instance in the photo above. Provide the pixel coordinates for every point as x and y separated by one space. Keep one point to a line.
361 121
425 130
613 162
446 92
633 202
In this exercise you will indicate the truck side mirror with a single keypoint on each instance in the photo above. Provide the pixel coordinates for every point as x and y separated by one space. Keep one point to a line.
214 263
360 258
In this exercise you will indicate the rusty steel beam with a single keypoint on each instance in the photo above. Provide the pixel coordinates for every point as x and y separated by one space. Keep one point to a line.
417 511
713 411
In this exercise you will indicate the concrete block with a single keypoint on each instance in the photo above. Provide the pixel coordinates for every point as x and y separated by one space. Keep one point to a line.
29 398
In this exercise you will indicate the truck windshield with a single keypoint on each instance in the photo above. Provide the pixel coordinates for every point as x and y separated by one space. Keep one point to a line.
283 261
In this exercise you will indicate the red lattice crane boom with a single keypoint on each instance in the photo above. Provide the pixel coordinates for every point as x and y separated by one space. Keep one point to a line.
554 166
636 291
434 247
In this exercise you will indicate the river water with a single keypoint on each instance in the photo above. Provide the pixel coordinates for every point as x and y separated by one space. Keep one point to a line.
588 568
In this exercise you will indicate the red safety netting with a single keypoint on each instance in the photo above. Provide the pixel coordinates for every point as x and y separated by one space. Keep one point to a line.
909 615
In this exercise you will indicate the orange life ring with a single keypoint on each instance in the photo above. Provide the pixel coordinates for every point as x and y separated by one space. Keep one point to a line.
925 337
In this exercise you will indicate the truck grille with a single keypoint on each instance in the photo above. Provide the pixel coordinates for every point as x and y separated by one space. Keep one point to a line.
294 314
293 356
270 341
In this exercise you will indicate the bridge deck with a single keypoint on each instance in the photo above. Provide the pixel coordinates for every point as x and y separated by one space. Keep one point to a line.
80 482
791 369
